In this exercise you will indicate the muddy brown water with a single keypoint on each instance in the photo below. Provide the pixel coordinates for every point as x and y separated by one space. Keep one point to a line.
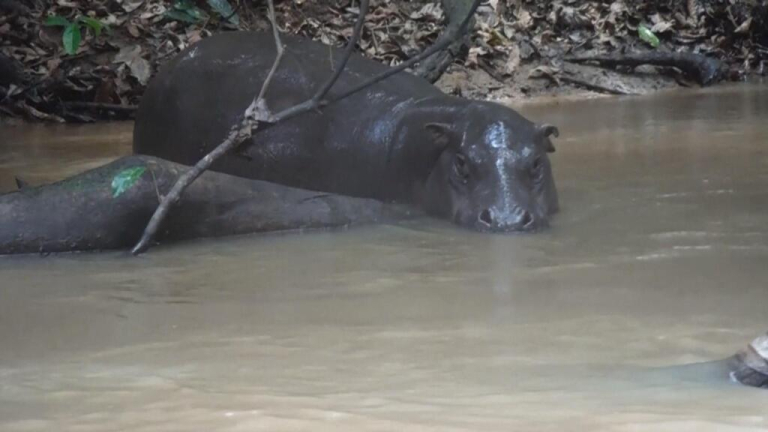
658 259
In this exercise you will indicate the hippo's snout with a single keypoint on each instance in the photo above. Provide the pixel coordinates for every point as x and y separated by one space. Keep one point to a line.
518 220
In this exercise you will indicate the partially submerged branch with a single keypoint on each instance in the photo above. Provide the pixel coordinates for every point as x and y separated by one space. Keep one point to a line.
169 200
258 112
255 114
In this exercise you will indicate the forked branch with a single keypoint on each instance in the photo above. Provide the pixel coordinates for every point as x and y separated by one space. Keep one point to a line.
255 114
258 111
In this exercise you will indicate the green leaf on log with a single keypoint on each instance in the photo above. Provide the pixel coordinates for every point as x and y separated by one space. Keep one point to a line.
647 35
125 179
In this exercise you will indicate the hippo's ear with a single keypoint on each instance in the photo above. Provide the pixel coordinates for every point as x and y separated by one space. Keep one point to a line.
543 132
442 134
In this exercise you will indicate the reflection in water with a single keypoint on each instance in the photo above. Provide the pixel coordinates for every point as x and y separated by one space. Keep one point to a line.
657 259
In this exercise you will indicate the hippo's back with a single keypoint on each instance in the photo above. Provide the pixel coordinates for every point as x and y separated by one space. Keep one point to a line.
196 97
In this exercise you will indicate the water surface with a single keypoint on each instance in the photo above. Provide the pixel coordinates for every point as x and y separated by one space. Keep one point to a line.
658 259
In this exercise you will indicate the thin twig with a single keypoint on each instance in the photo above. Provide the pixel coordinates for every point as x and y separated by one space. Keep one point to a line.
443 43
358 30
317 100
440 45
280 50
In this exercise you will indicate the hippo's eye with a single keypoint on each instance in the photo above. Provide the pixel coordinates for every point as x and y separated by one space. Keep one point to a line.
460 167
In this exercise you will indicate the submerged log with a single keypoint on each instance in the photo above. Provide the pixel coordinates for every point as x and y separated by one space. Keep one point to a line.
750 365
83 213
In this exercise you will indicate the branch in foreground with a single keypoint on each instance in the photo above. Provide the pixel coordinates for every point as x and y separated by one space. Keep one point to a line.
255 114
234 138
258 112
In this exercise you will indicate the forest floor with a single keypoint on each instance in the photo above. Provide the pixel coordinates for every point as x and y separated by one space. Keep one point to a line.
82 61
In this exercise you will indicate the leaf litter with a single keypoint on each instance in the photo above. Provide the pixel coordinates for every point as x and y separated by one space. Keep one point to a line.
517 48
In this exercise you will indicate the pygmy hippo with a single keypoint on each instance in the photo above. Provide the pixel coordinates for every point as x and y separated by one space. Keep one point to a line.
479 164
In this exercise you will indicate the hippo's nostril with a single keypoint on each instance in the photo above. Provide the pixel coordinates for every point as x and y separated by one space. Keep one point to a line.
526 220
485 217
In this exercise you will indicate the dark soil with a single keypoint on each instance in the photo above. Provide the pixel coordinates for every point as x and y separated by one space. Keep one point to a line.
518 48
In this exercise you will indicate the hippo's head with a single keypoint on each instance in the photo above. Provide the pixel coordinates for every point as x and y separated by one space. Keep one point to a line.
493 172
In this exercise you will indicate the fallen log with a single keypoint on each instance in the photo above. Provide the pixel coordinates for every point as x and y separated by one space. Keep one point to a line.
84 212
704 70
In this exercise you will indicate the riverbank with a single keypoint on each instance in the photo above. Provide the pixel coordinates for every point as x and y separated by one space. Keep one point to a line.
79 61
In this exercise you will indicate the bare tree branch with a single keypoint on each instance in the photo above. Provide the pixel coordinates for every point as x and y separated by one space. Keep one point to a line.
258 112
280 50
440 45
255 114
356 34
317 100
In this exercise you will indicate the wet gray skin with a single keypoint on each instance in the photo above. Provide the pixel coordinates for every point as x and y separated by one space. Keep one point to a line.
494 175
478 164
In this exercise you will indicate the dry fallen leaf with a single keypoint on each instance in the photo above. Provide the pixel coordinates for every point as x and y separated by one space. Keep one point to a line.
513 61
744 27
131 57
544 71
